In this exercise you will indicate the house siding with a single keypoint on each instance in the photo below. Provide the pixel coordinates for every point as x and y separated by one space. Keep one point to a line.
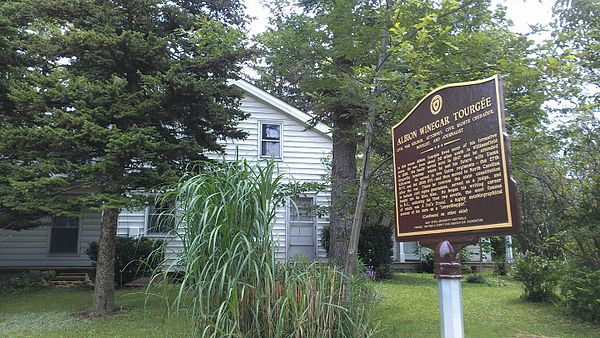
302 161
29 248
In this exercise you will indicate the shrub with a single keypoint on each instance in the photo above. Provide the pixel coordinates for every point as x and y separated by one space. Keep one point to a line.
26 280
133 257
475 278
232 285
498 249
580 288
426 263
483 278
374 248
540 276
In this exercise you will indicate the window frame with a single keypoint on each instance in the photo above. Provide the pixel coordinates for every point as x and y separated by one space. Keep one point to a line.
77 251
260 139
148 211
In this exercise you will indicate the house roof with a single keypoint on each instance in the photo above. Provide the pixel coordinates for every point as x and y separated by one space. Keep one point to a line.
282 106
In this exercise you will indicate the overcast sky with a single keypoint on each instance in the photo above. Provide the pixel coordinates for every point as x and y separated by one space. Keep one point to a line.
522 12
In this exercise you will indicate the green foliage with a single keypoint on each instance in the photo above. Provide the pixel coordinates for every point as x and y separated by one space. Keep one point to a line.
498 251
232 284
349 60
26 281
484 278
540 276
426 260
133 257
475 278
374 248
580 290
102 99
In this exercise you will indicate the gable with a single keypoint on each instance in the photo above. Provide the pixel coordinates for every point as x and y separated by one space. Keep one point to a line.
282 107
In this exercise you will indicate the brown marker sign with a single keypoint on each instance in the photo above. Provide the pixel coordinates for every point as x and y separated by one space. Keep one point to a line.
452 165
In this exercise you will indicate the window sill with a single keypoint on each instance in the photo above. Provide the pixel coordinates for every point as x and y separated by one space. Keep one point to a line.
66 254
159 235
271 158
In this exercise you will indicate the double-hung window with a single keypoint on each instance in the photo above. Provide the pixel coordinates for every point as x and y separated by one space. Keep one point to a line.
270 139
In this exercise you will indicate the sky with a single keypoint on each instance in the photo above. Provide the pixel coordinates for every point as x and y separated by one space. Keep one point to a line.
522 12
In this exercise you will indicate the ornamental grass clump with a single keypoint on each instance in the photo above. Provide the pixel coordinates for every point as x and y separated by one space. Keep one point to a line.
231 284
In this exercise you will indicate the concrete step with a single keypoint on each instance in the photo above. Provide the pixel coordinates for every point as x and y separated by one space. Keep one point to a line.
72 274
71 277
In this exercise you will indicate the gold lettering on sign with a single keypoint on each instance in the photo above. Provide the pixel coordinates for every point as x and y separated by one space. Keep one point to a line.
439 185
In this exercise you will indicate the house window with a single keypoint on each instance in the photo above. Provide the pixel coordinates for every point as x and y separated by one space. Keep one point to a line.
161 219
270 139
64 235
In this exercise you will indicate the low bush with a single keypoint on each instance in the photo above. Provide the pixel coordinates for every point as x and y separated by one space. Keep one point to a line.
374 248
484 278
580 289
133 257
540 276
475 278
26 280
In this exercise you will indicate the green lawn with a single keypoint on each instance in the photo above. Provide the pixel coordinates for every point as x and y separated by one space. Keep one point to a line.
407 307
52 312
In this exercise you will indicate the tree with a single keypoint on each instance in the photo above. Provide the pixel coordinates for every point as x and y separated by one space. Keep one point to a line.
335 55
113 98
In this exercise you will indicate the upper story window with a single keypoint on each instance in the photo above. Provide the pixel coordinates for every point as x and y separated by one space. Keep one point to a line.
64 235
270 139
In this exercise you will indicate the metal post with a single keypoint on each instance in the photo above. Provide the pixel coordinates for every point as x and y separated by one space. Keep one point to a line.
448 273
450 302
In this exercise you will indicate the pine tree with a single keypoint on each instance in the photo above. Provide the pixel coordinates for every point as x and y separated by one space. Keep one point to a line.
110 98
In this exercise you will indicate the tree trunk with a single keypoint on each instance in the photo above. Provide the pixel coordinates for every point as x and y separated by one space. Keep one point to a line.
365 175
104 286
343 183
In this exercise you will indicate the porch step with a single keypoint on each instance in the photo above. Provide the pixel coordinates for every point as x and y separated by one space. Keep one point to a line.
71 278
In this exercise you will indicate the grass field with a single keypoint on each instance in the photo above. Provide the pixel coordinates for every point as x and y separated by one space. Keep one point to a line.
406 306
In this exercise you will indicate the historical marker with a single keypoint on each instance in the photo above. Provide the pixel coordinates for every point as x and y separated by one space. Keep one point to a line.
453 182
451 165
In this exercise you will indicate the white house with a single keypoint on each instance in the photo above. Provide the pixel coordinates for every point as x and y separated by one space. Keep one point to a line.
275 129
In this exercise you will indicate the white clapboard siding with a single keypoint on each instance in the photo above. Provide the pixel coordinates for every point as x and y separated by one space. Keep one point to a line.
29 248
131 223
302 158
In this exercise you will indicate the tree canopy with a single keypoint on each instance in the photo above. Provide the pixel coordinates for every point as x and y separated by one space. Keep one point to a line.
102 100
361 66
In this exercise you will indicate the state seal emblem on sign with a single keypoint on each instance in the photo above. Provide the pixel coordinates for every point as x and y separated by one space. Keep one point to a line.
436 104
